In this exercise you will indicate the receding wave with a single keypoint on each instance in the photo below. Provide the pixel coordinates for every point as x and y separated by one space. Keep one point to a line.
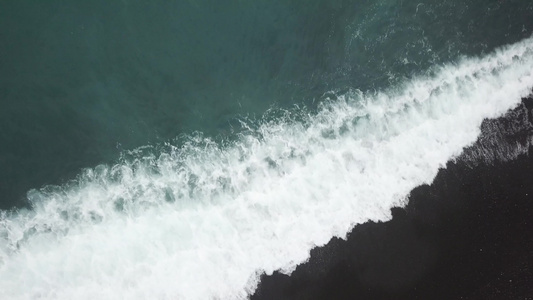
204 220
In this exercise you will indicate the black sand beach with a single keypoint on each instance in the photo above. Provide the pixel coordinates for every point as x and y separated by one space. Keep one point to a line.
468 235
173 149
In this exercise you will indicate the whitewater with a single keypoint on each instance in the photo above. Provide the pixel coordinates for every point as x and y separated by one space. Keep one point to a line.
204 219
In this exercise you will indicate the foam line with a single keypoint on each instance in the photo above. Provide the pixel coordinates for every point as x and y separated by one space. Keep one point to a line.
202 221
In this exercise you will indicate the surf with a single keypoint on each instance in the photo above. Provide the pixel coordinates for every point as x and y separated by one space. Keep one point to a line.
204 219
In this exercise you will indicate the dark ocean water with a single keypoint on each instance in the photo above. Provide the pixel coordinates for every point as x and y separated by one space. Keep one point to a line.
82 81
130 123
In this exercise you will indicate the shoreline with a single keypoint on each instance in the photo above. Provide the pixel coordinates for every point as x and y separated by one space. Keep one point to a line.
468 235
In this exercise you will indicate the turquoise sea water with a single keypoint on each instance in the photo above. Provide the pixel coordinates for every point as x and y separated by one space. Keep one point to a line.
179 149
82 81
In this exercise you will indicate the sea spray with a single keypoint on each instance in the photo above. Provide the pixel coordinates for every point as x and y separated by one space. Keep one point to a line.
203 220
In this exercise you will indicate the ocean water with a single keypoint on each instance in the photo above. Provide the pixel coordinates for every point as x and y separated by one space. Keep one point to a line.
178 150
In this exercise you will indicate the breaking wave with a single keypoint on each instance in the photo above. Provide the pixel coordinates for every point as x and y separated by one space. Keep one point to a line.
204 219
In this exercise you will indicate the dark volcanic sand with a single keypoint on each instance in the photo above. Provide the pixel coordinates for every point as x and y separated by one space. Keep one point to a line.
469 235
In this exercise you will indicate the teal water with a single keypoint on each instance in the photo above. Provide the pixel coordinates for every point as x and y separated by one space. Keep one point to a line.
179 150
82 81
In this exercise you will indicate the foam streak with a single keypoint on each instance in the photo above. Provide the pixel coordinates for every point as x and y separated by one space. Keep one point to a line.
202 221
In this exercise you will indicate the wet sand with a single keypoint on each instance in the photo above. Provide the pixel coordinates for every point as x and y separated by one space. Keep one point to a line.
468 235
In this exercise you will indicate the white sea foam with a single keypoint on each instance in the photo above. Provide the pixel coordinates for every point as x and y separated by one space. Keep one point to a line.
203 221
